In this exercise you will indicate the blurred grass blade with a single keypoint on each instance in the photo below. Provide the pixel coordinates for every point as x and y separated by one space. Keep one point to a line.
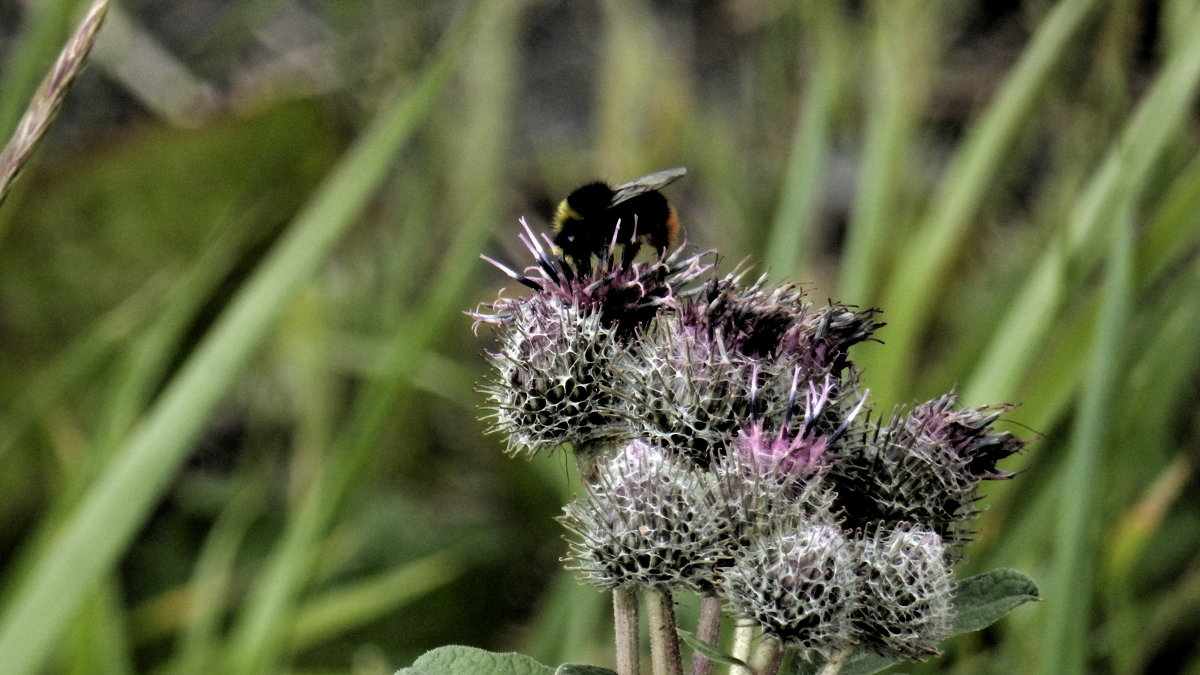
96 532
571 618
349 607
79 359
141 336
147 358
1127 166
49 97
1164 374
1016 338
1127 541
209 593
924 260
628 86
260 634
1173 228
808 158
903 33
1172 234
1081 484
133 57
99 643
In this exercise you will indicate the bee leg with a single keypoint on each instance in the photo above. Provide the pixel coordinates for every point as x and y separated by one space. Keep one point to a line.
583 264
630 252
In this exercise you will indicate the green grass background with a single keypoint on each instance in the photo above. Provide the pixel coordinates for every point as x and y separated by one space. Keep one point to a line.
237 421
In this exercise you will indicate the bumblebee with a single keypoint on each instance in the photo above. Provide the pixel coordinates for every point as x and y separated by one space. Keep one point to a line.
595 217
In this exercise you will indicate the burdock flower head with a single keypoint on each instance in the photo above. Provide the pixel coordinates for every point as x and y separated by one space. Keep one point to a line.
905 607
800 584
720 357
764 322
786 341
552 379
767 472
647 520
923 467
800 447
723 442
686 394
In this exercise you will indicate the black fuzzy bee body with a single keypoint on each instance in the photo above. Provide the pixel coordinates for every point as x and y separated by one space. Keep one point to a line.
596 218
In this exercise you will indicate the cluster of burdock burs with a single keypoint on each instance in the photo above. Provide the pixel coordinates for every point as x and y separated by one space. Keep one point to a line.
727 448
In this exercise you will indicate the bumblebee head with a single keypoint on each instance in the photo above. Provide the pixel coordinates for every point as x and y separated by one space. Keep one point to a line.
575 232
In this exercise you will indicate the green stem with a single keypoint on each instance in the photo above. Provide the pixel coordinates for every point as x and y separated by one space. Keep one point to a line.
743 634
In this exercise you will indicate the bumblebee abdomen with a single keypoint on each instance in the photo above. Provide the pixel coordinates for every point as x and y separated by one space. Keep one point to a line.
649 218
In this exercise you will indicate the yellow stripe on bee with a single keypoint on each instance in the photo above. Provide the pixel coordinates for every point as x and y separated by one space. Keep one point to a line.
563 214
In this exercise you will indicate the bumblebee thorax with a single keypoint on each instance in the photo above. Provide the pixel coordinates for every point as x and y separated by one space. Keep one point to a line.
590 200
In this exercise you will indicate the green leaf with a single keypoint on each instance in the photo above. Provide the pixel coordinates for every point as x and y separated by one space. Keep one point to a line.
982 600
456 660
709 651
865 663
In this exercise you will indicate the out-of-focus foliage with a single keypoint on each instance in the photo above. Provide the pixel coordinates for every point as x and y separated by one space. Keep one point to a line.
234 369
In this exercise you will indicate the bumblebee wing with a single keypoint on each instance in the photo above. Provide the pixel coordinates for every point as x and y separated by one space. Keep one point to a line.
647 183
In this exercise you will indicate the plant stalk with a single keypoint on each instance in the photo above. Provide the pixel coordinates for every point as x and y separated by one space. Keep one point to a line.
708 631
743 634
49 97
665 658
767 657
625 625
